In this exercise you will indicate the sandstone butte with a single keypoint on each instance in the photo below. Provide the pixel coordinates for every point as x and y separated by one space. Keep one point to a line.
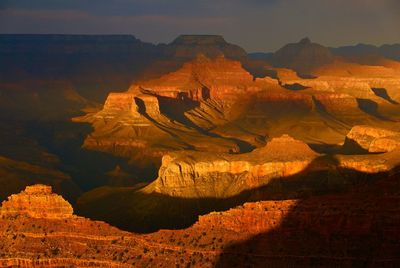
360 227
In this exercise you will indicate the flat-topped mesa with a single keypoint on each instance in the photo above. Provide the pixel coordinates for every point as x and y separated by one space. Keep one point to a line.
37 201
372 139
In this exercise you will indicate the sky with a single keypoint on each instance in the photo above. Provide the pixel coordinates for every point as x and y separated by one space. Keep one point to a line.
256 25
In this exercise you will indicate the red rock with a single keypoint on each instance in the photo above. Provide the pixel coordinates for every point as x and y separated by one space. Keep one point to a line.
37 201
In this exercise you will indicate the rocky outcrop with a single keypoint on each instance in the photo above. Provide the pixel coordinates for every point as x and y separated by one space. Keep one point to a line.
362 141
37 201
372 139
250 218
198 175
370 164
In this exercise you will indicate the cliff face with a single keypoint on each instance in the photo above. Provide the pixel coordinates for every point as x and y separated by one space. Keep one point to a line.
192 175
373 140
374 150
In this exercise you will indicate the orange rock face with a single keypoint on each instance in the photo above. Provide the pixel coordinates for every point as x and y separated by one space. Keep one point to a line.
37 201
191 174
374 140
173 112
204 78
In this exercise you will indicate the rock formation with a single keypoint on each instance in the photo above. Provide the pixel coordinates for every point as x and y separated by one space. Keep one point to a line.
217 120
372 139
200 175
208 103
178 109
383 143
37 201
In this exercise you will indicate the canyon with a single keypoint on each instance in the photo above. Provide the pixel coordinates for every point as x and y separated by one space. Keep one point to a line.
115 152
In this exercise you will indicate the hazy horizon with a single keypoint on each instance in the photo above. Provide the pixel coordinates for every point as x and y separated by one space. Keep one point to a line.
159 43
257 26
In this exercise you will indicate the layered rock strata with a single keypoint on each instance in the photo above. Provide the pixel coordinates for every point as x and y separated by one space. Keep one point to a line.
379 150
37 201
372 139
203 175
